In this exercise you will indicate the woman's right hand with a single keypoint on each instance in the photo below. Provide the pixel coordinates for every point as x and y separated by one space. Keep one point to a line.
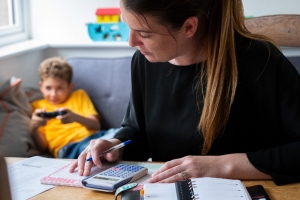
93 150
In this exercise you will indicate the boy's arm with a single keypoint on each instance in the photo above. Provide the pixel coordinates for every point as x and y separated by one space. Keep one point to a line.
90 122
38 137
40 140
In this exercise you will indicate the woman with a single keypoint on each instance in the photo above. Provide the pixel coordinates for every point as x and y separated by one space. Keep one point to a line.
208 96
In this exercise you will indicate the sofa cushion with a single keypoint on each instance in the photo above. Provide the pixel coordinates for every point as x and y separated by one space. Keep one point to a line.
295 61
15 113
107 81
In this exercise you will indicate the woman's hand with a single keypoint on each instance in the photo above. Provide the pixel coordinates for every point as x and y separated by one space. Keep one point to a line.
234 166
190 166
93 150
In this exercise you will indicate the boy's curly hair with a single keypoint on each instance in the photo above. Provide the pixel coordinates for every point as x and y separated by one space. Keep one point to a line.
55 67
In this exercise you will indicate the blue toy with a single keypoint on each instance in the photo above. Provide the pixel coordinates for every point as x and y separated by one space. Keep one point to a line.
108 31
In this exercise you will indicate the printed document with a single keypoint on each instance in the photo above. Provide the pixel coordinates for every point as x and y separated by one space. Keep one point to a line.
25 176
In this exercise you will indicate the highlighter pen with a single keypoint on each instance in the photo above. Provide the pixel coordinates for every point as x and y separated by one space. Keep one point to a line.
142 193
112 149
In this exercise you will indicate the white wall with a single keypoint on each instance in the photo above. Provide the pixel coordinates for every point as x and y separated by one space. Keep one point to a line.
65 20
271 7
22 66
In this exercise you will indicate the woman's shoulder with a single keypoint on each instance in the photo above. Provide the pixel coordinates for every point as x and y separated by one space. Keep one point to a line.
254 47
252 51
257 58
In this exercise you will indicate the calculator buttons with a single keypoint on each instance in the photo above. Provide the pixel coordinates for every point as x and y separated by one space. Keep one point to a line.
121 170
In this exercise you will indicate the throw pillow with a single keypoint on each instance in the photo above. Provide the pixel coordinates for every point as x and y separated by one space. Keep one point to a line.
15 113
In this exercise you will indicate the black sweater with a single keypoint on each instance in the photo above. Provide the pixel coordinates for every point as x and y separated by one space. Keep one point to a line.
264 122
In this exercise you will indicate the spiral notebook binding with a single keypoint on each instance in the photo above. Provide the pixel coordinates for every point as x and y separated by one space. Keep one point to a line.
193 182
185 190
192 185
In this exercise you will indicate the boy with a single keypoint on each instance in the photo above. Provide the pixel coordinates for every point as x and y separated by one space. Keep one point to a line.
67 134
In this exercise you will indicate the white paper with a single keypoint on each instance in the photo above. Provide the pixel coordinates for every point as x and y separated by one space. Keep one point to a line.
160 191
25 175
64 177
217 188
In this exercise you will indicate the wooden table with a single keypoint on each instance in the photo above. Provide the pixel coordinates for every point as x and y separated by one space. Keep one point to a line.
285 192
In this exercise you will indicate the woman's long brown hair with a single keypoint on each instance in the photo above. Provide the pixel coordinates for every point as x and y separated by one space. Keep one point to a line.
220 72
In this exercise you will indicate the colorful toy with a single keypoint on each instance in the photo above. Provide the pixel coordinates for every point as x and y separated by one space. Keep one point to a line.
108 31
110 15
108 26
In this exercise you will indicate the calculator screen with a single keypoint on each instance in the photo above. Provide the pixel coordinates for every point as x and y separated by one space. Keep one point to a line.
106 178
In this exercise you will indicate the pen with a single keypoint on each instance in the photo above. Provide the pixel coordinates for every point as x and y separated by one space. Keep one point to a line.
112 149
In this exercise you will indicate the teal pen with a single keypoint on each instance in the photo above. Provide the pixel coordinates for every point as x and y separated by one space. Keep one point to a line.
112 149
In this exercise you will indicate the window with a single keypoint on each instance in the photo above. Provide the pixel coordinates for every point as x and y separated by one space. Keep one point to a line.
13 21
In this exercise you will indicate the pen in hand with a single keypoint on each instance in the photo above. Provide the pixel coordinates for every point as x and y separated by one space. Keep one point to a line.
111 149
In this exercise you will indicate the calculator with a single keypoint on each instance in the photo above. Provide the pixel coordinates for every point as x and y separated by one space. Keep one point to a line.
114 177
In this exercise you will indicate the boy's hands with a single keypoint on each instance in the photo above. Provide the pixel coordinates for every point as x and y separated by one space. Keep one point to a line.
37 121
68 117
91 122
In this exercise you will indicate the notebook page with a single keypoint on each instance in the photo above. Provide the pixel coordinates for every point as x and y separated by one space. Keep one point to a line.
217 188
160 191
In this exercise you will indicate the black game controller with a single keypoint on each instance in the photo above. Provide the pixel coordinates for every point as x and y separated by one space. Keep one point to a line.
51 114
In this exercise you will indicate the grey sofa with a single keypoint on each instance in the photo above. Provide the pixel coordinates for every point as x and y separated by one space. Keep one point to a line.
107 82
296 62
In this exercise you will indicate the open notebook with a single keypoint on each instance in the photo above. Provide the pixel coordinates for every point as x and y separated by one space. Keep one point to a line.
198 188
4 184
204 188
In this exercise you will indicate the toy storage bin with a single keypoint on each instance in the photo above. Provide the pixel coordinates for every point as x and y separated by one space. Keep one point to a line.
108 31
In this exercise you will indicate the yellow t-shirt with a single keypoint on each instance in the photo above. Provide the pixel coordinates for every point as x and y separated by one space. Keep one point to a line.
58 134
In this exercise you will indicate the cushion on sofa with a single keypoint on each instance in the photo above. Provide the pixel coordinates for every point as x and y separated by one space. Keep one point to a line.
295 61
107 81
15 113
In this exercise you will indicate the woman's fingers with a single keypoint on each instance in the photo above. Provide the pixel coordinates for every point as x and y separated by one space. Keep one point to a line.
169 176
168 165
86 165
181 169
73 166
93 151
169 172
83 166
